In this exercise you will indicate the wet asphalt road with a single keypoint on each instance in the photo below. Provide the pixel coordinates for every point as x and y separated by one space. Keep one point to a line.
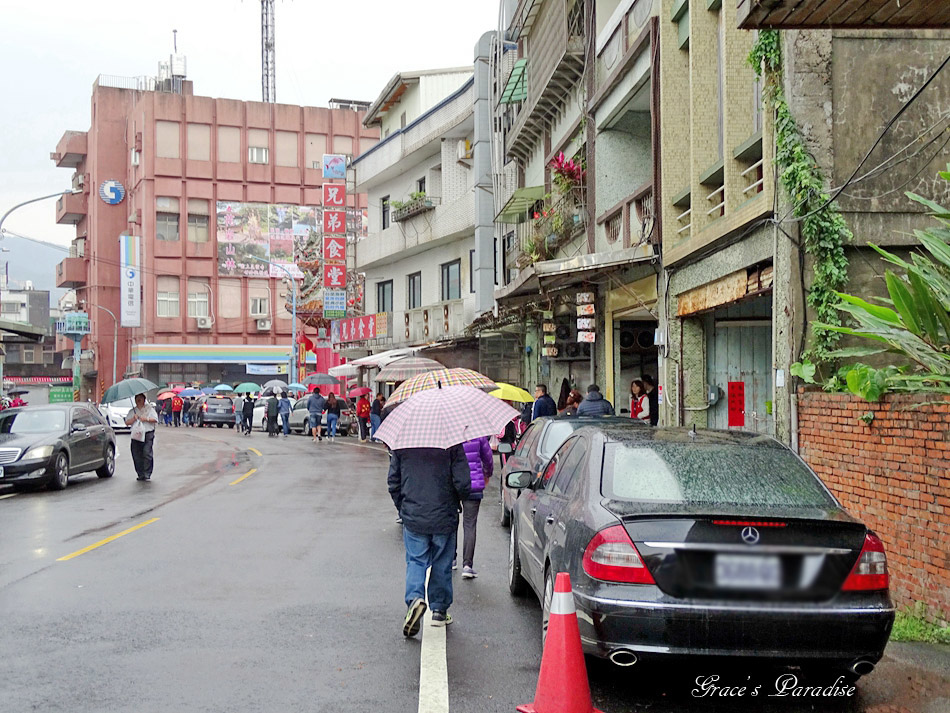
283 592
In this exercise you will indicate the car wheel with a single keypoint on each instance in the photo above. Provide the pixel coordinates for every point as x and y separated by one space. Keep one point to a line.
231 426
108 467
220 425
60 472
516 583
505 515
546 604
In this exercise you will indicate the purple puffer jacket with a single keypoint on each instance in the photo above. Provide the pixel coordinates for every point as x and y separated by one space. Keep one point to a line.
480 463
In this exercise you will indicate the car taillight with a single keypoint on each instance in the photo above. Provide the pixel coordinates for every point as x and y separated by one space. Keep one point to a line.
611 556
870 571
204 407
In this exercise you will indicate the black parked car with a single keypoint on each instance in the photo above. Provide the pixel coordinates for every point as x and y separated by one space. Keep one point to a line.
538 443
702 543
45 445
216 410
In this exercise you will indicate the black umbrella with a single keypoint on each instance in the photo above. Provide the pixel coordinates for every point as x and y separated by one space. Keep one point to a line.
322 380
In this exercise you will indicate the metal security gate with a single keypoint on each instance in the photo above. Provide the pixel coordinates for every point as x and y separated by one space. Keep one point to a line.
739 366
501 357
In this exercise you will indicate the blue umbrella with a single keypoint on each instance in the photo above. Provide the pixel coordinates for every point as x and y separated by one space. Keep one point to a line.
207 390
224 387
296 387
189 393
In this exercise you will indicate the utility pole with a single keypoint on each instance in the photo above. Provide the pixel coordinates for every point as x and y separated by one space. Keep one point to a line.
268 75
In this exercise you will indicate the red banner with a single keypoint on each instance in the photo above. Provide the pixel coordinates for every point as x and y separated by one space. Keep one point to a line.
735 398
334 222
354 329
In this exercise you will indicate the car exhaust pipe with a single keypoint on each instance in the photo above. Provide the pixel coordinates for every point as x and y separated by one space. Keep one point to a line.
861 667
625 657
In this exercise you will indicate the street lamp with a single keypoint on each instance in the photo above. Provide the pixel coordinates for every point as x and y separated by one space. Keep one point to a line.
293 338
32 200
115 337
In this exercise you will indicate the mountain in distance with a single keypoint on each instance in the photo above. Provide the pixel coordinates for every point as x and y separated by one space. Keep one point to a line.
33 261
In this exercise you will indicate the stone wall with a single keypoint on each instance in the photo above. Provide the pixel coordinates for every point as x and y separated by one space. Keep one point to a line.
894 475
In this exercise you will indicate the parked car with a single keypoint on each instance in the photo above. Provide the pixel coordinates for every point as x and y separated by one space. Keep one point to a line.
45 445
260 412
538 443
115 413
215 410
299 418
702 543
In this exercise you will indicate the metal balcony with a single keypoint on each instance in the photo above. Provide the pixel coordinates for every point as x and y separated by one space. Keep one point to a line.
555 66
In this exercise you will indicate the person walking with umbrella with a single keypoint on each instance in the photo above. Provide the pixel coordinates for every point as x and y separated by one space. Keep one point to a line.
316 405
362 417
273 408
247 413
142 418
428 478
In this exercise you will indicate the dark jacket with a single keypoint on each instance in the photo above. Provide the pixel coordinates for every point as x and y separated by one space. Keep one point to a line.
544 406
654 397
594 404
316 404
272 407
427 485
376 408
247 407
480 463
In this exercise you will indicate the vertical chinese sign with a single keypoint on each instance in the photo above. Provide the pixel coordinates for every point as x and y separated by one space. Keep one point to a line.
130 252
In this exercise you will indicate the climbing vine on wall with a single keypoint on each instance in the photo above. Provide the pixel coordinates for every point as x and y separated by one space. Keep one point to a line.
824 231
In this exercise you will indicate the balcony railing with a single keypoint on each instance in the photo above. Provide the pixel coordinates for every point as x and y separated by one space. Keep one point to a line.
556 224
412 208
555 66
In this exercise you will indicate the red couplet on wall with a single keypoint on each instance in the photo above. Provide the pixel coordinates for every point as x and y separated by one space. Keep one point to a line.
736 404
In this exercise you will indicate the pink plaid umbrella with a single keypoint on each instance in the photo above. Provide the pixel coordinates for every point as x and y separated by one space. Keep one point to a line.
444 417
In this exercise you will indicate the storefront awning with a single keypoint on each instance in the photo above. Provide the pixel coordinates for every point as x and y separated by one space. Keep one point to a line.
551 275
519 203
210 354
378 361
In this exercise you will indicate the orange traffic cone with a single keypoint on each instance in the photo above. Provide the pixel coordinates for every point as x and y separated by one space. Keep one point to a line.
562 684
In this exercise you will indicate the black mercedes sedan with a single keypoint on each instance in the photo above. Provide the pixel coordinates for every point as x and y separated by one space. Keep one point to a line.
700 543
45 445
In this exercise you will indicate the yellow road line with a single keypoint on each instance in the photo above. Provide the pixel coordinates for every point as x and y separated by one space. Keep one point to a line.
248 474
84 550
254 450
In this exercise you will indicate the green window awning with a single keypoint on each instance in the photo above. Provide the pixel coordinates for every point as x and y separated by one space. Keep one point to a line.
516 90
517 206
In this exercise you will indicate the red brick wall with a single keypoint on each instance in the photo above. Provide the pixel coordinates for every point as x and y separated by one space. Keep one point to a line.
893 474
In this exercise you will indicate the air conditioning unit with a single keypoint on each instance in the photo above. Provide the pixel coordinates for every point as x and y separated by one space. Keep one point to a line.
204 322
79 180
464 150
263 325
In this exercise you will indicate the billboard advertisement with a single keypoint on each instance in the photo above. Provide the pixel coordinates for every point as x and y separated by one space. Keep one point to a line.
249 233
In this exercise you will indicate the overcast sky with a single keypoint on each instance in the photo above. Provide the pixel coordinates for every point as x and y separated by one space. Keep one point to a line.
53 50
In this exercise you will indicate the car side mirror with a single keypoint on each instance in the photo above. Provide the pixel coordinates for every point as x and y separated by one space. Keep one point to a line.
519 479
505 448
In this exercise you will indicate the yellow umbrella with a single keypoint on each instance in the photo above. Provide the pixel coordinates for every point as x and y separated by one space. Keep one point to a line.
507 392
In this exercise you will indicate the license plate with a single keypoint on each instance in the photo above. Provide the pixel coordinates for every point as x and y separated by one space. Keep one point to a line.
748 572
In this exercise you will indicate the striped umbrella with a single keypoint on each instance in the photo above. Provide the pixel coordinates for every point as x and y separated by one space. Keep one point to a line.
444 417
406 368
432 379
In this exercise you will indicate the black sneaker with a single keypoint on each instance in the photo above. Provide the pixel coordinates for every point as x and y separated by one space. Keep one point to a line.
441 618
412 622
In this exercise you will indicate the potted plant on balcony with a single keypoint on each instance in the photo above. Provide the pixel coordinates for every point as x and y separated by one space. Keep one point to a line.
567 173
418 203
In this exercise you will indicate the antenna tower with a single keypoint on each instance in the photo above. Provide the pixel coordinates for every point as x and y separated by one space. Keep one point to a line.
268 81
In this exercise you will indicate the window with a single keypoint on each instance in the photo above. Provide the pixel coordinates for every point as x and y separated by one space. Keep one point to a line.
10 307
451 280
315 145
421 185
612 227
259 307
257 146
384 296
167 139
571 463
526 445
11 353
402 120
49 354
415 290
285 148
198 297
168 297
229 144
471 271
166 226
29 354
199 142
197 220
343 145
385 208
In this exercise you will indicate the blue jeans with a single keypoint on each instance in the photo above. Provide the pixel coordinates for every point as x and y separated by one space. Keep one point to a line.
374 422
423 552
332 418
285 420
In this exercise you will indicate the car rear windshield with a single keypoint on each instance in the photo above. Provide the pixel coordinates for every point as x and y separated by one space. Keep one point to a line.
41 421
710 474
556 434
219 402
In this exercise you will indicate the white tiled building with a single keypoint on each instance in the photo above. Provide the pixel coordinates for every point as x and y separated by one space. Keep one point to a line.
418 257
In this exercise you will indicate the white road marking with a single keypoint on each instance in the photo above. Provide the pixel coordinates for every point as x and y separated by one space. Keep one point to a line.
433 669
8 495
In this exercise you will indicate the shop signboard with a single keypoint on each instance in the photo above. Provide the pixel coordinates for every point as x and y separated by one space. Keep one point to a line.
334 303
60 394
334 195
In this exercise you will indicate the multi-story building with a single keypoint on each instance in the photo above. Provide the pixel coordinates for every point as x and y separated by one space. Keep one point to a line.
419 258
170 167
575 166
28 340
